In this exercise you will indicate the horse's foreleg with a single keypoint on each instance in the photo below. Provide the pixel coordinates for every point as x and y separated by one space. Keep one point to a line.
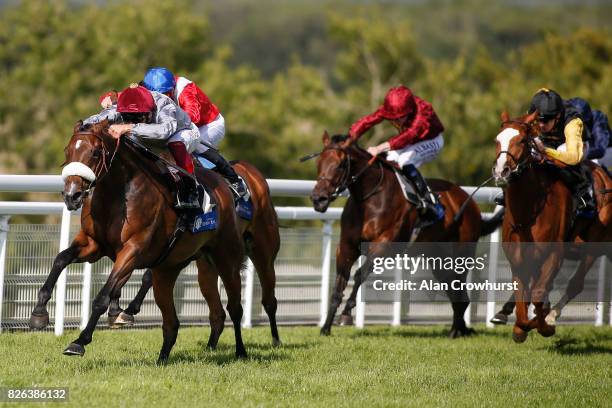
574 287
521 326
81 249
346 255
541 289
207 279
122 269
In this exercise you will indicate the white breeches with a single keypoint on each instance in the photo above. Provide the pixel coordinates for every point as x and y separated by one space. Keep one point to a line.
419 153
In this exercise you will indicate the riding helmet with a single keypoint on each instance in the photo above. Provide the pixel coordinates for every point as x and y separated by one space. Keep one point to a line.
547 102
135 99
398 102
159 79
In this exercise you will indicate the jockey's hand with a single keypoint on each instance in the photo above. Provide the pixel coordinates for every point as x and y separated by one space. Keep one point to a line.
106 102
117 130
539 144
381 148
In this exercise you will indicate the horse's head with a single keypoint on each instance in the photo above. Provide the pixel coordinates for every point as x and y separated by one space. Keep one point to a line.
514 144
333 169
88 156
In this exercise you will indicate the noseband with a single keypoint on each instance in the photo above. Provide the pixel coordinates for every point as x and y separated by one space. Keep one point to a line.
103 165
526 161
347 180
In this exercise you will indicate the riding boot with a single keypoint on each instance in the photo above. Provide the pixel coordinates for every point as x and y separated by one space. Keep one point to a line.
188 197
227 171
429 208
578 180
500 199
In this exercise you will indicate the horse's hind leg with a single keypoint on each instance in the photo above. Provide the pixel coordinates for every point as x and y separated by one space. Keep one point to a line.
228 267
502 316
126 317
207 279
263 255
574 287
163 289
82 248
459 301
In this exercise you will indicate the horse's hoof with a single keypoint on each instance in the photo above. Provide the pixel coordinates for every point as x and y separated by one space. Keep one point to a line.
39 321
74 349
346 320
276 342
241 354
325 331
551 317
121 320
499 318
547 331
519 335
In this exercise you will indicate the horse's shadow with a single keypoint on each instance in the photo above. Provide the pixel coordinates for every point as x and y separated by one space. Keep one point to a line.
418 332
223 355
570 344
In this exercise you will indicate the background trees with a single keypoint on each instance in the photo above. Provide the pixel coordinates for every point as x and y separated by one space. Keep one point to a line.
282 72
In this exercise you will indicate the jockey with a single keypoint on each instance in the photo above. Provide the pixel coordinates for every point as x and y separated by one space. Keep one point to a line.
151 116
419 141
203 113
563 137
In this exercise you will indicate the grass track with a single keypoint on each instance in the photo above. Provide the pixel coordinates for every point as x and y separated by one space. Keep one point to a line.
378 366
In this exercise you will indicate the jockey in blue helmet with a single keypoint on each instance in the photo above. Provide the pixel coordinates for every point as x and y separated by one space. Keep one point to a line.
203 113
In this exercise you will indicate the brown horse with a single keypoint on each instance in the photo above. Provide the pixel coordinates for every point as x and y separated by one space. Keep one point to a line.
262 239
129 217
377 212
535 229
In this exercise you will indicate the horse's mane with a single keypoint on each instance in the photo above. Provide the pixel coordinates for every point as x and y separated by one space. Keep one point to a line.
341 138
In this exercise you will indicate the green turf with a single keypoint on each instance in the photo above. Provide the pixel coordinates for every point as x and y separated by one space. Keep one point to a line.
378 366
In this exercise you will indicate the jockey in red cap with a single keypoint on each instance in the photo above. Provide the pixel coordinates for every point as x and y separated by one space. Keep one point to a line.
203 113
419 140
151 116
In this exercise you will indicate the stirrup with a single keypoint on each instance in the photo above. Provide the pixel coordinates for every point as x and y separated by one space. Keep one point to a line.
239 190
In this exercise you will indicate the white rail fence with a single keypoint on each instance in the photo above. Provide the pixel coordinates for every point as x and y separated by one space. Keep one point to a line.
300 239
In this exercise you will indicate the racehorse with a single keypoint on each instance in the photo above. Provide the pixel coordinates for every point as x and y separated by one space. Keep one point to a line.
262 239
378 212
535 229
129 217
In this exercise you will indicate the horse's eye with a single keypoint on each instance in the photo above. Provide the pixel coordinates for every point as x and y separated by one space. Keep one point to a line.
96 154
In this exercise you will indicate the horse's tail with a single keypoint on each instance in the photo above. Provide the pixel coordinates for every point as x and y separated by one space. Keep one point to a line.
490 224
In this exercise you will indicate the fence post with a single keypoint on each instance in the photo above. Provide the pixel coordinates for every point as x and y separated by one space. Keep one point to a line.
325 270
4 219
493 261
85 294
397 302
60 291
248 295
601 282
360 307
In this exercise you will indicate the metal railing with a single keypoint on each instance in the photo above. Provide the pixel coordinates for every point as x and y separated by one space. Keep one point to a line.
295 188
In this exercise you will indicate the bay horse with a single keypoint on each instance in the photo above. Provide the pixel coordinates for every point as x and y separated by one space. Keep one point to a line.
262 239
377 211
539 220
129 217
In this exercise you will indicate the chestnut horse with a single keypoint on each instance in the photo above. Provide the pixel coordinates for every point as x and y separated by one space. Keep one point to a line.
378 212
535 229
262 239
129 217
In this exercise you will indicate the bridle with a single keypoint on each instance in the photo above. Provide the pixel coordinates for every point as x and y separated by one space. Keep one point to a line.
347 180
522 163
103 165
